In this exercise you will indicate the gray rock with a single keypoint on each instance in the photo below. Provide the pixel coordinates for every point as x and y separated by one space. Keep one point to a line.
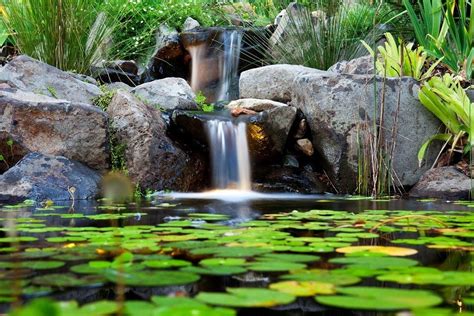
337 108
257 105
38 123
359 66
190 24
40 177
274 82
119 86
31 75
153 161
125 71
446 183
168 93
470 94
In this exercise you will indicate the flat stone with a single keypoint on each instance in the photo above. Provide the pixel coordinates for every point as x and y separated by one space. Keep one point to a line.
257 105
305 146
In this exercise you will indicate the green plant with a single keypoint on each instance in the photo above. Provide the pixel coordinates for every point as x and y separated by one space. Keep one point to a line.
140 19
104 99
202 104
448 101
52 91
68 34
446 30
397 60
319 41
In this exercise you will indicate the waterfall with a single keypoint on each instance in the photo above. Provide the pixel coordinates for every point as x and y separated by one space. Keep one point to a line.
215 65
229 63
229 155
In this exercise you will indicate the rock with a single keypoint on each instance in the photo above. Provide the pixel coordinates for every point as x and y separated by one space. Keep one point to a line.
284 20
274 82
38 123
291 161
256 105
168 58
125 71
301 130
337 108
153 161
445 183
470 94
40 177
31 75
279 17
190 24
242 111
305 146
114 86
359 66
287 179
168 93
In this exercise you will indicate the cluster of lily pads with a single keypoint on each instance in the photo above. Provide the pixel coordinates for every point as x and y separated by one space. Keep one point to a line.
368 260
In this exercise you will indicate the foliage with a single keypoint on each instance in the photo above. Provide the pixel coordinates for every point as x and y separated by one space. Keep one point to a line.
448 101
321 41
68 34
446 30
140 19
103 100
397 60
202 104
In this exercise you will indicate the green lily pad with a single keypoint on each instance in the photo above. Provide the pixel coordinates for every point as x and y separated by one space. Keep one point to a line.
222 262
375 264
374 298
288 257
323 276
147 278
67 280
274 266
166 264
194 311
246 297
239 252
216 270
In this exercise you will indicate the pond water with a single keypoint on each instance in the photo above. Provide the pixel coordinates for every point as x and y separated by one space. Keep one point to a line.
320 255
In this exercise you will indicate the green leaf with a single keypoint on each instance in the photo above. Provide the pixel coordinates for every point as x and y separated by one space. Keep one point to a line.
246 297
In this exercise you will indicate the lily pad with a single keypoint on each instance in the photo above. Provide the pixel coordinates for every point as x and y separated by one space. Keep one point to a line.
374 298
390 251
166 264
246 297
274 266
323 276
216 270
305 288
147 278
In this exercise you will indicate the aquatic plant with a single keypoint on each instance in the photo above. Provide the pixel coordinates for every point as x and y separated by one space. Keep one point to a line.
202 104
397 60
448 101
68 34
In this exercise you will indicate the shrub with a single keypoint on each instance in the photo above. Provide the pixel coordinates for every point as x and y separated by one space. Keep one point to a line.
446 30
448 101
141 18
68 34
396 60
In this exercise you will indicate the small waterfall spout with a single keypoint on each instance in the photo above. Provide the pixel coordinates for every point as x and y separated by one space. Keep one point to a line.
229 155
229 63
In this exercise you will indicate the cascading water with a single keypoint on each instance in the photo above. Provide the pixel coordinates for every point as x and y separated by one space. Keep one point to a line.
229 63
229 155
215 65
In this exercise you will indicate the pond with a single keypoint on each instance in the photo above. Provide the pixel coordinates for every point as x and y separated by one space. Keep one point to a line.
319 255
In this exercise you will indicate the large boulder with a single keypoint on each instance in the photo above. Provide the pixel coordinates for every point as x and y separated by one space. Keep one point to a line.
288 179
41 177
274 82
446 183
168 94
38 123
152 159
28 74
341 110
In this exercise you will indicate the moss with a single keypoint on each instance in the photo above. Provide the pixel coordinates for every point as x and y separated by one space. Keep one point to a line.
104 99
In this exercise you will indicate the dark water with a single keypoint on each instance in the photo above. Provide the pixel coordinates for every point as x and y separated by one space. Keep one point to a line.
156 212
